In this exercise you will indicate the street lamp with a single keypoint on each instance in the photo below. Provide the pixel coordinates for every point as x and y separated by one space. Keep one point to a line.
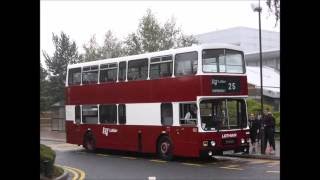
258 9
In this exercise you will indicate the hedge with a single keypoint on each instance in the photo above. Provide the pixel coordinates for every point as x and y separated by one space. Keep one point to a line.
47 158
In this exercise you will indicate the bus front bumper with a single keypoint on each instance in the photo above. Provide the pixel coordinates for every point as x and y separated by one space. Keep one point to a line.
211 151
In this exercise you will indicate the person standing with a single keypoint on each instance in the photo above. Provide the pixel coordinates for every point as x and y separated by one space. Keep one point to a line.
269 129
254 126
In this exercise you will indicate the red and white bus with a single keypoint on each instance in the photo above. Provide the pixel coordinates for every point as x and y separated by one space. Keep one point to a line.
180 102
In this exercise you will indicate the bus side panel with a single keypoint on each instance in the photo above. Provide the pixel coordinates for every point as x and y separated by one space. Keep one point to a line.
73 133
186 141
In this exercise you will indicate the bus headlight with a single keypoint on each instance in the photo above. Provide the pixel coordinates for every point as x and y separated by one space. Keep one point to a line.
213 143
205 143
242 141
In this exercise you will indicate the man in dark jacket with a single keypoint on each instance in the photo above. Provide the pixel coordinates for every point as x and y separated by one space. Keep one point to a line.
269 129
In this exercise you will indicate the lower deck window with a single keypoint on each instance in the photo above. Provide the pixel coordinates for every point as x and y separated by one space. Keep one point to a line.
89 114
188 114
108 114
166 114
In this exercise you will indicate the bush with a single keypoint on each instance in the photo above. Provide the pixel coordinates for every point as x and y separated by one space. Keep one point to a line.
47 158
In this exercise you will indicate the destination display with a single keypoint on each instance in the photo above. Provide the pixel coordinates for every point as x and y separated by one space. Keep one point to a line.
226 85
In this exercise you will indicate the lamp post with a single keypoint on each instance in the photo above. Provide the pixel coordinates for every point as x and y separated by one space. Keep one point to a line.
259 9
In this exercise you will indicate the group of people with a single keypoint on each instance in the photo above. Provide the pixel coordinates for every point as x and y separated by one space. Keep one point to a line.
268 122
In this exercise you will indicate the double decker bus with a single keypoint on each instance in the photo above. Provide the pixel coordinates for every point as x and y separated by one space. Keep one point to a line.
187 102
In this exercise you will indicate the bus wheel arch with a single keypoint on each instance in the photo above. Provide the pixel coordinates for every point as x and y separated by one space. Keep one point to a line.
164 147
89 141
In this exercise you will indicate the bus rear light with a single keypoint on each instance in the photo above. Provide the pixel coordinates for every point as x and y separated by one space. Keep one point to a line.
210 153
247 133
205 143
242 141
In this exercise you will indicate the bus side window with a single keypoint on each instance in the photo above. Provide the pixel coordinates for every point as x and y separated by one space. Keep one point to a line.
74 76
122 71
77 114
188 113
122 113
89 114
108 114
138 69
90 75
186 63
166 114
161 67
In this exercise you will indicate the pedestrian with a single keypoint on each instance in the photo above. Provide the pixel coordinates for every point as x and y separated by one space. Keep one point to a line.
254 126
259 120
269 130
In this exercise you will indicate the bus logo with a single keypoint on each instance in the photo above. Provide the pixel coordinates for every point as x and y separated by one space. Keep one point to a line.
233 135
106 131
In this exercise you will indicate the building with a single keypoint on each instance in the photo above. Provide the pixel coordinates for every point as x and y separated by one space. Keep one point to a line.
248 40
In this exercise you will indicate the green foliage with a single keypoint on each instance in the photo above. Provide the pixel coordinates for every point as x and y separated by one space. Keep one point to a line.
255 107
274 7
65 53
47 158
151 36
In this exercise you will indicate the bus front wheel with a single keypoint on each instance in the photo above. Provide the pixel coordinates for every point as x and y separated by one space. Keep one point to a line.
165 148
89 142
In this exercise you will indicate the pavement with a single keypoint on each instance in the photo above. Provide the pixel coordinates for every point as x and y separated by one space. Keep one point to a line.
60 136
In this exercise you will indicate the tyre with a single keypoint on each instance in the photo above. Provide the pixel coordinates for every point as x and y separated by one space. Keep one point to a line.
165 148
89 142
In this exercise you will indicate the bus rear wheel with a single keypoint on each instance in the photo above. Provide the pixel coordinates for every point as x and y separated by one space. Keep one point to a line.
89 142
165 148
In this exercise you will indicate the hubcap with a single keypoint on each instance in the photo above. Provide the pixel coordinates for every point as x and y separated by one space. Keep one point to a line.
164 147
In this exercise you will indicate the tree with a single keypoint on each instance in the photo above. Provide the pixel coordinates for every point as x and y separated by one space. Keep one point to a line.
66 52
111 48
132 45
44 96
151 36
274 7
92 50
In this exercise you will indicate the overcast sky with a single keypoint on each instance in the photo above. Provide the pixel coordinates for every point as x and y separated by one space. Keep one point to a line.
81 19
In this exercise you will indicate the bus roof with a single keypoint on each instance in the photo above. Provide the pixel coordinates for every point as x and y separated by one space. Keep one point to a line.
158 53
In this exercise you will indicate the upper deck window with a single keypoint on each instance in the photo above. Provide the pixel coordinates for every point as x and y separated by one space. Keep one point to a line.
122 71
186 63
160 67
138 69
108 72
74 76
90 75
222 60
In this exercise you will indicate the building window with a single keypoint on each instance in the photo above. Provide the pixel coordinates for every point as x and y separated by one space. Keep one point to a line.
186 63
89 114
122 113
77 114
108 72
188 113
166 114
138 69
74 76
90 75
160 67
108 114
122 71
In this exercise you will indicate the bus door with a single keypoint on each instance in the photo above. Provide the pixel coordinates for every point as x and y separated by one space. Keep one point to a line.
186 131
76 135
